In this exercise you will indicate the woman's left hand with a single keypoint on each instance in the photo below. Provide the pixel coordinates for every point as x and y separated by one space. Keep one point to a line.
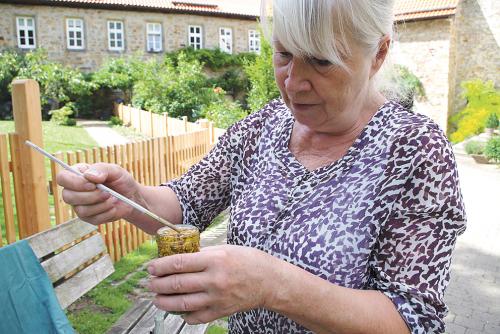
216 282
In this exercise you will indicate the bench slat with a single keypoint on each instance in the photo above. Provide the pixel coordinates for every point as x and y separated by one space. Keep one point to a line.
49 241
130 319
81 283
65 262
147 322
173 324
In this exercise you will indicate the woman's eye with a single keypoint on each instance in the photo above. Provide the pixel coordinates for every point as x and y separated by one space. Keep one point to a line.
284 54
321 62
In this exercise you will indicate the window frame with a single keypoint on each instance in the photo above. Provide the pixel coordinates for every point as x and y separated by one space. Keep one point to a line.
254 36
222 42
115 31
25 28
154 33
75 29
200 35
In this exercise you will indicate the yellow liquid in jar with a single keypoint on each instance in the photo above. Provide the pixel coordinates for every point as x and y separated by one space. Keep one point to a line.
170 242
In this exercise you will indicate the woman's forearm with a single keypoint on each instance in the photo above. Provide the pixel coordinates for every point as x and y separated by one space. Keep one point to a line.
159 200
324 307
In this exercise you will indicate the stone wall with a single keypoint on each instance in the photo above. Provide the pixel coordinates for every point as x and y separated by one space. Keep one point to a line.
475 47
51 22
423 46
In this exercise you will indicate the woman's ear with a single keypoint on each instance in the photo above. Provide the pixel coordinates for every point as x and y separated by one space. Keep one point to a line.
383 50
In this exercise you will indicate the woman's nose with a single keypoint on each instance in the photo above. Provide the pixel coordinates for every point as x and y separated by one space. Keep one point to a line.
297 79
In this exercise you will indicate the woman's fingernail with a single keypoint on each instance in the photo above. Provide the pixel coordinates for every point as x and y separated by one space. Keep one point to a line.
151 270
89 186
93 172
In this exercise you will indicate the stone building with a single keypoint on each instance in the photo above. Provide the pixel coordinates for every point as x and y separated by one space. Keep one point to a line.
83 33
443 42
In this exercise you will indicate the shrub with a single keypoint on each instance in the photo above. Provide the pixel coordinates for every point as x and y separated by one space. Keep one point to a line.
234 81
474 147
223 112
115 120
10 61
492 149
261 76
61 116
482 100
119 73
58 84
214 59
180 90
492 121
404 87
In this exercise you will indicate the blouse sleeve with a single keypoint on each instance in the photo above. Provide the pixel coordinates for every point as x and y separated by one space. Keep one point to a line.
205 189
411 261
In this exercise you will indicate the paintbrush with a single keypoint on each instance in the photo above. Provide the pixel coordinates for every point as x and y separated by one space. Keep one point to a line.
106 189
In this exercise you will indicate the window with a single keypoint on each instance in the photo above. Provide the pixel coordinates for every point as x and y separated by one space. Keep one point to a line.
195 37
115 36
253 41
26 38
226 40
153 31
74 34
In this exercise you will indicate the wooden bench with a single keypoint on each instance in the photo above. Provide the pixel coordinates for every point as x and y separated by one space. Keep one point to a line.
74 256
145 318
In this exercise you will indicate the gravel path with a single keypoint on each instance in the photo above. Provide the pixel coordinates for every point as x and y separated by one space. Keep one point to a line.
102 133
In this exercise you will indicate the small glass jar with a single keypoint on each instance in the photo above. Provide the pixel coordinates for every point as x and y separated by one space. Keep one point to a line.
171 242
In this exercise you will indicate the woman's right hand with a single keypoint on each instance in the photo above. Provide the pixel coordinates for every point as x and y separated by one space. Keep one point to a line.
91 204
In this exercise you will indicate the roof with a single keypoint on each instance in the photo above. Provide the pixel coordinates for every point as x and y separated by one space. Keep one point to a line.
405 10
409 10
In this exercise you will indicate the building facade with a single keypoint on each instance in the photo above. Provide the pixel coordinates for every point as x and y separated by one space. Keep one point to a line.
84 36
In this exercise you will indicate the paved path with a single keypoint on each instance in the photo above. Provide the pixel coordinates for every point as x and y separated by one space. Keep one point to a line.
102 133
473 295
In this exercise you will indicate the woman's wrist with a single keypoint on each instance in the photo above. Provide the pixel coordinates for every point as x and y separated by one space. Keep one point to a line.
274 282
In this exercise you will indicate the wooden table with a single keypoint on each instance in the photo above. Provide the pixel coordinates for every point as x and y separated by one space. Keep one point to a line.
141 318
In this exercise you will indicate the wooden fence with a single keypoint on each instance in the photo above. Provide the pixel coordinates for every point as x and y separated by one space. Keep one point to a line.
151 162
155 125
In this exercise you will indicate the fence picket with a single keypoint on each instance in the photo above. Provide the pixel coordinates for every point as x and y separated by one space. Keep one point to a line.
15 153
59 205
10 229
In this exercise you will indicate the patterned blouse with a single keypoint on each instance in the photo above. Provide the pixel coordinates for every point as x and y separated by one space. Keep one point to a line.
385 216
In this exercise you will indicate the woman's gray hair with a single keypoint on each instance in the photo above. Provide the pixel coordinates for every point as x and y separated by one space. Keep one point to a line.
327 29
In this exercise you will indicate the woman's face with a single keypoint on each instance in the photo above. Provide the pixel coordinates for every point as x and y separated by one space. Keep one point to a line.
320 95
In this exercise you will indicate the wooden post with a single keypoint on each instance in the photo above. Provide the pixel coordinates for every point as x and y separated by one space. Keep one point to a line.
185 120
165 115
28 122
205 125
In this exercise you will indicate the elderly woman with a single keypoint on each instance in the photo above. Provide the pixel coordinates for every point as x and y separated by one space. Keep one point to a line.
344 206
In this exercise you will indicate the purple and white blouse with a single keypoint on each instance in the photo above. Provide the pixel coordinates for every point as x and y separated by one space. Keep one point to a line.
384 217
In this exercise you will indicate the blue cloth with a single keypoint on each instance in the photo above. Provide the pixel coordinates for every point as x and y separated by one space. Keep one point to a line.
28 301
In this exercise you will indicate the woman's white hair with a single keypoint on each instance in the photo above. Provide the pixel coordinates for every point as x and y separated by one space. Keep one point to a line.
327 29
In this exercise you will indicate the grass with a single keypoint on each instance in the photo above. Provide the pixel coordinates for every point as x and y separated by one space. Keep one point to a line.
216 330
108 301
55 138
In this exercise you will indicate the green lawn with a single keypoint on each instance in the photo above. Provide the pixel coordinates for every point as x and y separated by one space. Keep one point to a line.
55 138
